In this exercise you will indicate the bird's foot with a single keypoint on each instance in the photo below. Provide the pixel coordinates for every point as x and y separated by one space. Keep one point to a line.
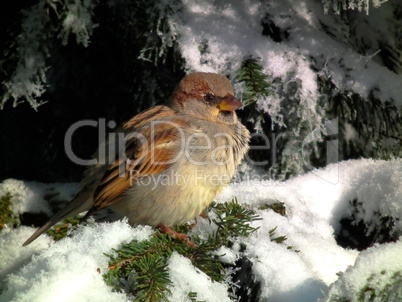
202 215
183 237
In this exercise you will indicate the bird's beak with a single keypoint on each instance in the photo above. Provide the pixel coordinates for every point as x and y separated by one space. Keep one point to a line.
229 103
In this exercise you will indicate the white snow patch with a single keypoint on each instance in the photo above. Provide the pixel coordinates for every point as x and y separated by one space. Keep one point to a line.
382 260
301 268
68 270
186 278
33 197
215 35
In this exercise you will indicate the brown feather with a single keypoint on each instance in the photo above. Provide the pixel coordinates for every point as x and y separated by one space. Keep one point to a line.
147 116
188 110
146 160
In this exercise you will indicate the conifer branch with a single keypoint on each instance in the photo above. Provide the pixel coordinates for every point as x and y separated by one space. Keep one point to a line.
140 268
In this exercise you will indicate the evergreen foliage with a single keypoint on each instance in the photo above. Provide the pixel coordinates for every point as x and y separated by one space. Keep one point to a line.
344 5
380 287
389 291
42 24
87 59
280 239
253 86
61 229
128 62
47 28
6 214
287 131
368 126
376 125
140 268
53 50
193 297
256 83
277 207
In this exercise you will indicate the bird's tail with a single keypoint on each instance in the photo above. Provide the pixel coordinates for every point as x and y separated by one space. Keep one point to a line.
79 204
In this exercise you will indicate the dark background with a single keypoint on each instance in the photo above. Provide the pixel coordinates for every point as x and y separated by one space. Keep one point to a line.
108 80
103 80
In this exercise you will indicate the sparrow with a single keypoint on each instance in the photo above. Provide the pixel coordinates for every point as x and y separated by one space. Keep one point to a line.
170 161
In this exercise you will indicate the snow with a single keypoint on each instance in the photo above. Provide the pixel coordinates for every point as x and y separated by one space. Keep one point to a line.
29 79
66 270
305 267
213 35
314 48
186 278
383 260
31 196
78 21
377 183
12 257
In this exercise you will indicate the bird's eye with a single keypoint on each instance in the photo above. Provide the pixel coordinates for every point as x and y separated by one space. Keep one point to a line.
209 98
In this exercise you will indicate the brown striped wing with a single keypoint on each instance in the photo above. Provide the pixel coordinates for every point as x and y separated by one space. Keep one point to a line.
154 144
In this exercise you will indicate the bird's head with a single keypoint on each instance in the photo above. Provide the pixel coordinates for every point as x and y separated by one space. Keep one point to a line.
206 96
